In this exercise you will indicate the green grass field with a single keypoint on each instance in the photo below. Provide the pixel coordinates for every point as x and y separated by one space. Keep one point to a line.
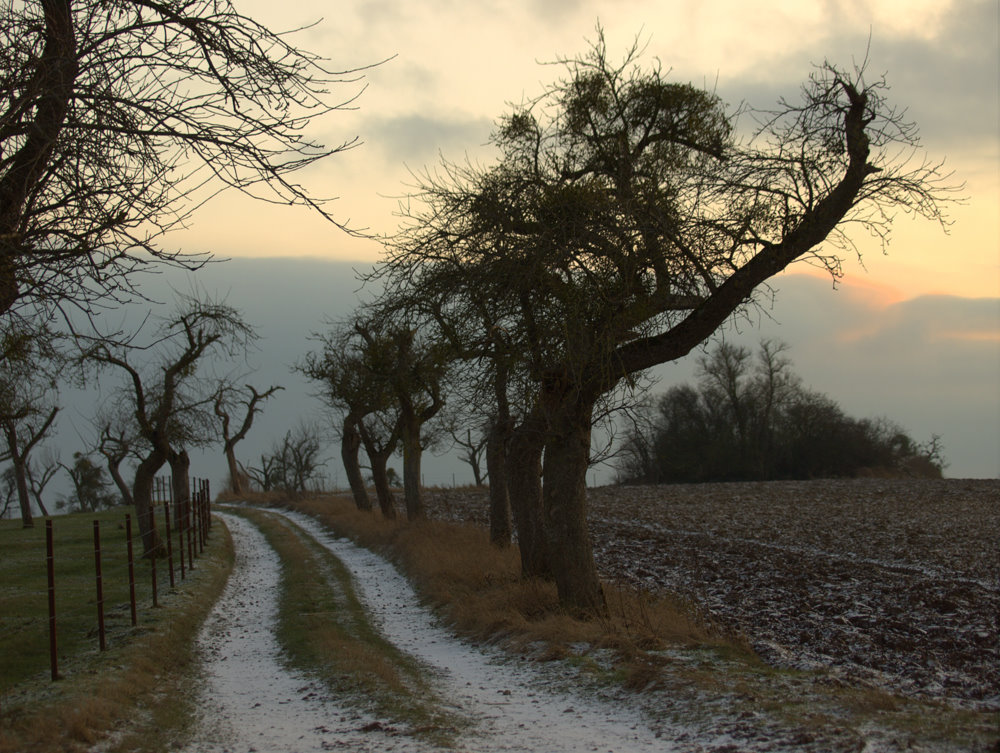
24 617
94 688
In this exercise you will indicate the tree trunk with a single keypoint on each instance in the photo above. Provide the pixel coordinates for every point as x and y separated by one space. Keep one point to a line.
142 494
23 498
412 453
20 477
386 501
524 486
496 466
235 476
350 445
180 465
116 476
564 499
55 73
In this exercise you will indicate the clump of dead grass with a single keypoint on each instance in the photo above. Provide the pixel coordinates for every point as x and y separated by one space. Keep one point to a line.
478 589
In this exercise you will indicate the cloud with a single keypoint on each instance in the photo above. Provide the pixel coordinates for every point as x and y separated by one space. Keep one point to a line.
946 77
418 139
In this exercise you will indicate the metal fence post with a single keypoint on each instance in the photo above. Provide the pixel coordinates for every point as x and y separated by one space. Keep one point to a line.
100 585
131 568
187 527
51 566
170 545
152 555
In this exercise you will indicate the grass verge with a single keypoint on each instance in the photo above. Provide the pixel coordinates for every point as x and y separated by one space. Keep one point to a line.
143 677
479 591
326 632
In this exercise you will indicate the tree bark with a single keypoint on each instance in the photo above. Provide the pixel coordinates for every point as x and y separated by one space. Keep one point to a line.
524 482
386 501
116 476
142 494
412 454
55 75
564 500
350 445
496 466
180 465
235 476
21 479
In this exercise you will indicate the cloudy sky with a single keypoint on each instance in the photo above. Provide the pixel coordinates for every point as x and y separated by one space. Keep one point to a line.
458 64
913 335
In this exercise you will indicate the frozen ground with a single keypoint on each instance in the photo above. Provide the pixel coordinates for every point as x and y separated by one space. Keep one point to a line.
764 541
251 702
894 583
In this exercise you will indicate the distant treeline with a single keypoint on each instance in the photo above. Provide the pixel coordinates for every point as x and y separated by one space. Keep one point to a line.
749 418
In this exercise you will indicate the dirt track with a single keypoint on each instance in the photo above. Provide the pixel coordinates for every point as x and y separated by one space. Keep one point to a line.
892 582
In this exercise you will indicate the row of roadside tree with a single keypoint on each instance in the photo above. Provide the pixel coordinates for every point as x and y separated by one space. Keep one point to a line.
625 218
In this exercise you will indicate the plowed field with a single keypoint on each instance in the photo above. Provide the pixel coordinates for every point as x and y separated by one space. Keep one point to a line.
893 583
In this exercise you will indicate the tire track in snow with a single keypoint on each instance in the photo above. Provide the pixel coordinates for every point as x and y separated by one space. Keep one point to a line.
513 704
249 701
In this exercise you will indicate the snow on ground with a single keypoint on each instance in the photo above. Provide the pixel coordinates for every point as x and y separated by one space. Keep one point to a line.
891 583
515 706
249 701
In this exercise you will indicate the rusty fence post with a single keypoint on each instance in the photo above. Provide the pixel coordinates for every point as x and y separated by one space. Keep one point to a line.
180 542
131 568
50 562
152 555
208 505
187 529
170 544
100 585
199 516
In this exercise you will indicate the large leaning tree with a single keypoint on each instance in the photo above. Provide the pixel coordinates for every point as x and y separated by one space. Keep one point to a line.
118 118
627 218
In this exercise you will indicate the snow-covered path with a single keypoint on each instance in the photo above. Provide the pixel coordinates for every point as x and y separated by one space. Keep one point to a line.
251 702
513 704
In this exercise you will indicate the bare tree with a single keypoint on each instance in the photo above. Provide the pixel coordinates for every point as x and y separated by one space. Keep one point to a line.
117 441
414 369
29 364
120 117
345 387
22 431
227 400
626 221
90 485
386 380
294 463
39 473
166 397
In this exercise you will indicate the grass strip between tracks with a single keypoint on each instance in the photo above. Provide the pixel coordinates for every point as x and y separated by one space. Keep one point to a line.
326 631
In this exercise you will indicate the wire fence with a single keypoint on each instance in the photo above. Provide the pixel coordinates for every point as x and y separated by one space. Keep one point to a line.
186 522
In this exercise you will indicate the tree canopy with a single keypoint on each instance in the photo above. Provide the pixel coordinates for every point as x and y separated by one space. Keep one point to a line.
626 218
120 117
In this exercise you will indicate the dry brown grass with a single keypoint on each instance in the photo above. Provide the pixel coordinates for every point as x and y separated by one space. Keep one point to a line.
478 589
